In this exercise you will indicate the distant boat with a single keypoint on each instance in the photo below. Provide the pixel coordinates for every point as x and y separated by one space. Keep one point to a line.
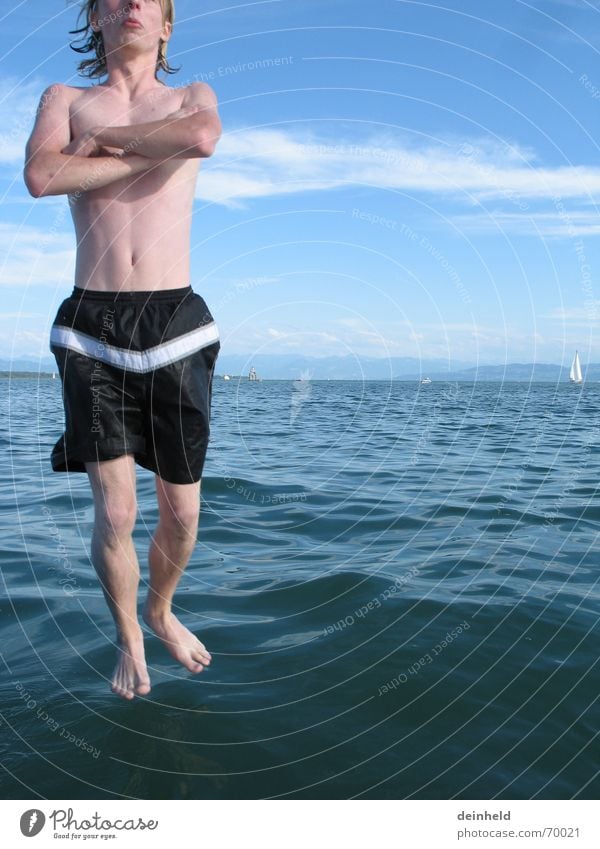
253 375
226 377
53 375
426 380
575 373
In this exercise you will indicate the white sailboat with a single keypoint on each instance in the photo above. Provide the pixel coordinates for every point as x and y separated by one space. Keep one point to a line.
575 375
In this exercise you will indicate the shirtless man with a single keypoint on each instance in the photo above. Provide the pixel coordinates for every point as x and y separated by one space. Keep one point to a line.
135 346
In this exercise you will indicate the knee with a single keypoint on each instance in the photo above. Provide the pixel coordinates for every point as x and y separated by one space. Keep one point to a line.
181 520
116 517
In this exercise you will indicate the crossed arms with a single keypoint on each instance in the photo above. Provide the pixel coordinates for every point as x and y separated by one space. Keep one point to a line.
56 165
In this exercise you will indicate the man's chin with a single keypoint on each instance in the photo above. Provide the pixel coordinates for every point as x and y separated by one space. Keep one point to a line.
136 41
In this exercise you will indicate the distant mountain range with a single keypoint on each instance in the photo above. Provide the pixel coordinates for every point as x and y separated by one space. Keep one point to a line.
292 367
395 368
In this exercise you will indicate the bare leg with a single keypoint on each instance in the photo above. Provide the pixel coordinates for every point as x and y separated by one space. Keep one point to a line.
115 561
170 551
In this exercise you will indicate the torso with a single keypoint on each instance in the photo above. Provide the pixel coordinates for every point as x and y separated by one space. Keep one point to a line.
133 234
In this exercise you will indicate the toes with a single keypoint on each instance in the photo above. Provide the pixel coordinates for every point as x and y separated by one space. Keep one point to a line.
204 651
123 693
200 653
143 689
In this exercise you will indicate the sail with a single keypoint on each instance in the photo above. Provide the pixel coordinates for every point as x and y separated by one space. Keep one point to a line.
575 373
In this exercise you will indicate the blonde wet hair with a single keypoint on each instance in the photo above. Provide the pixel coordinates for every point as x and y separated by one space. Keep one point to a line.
90 41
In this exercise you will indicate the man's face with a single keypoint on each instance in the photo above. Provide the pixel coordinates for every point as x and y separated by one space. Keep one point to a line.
135 23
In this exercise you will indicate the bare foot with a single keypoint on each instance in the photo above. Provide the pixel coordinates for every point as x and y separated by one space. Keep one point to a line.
181 643
131 674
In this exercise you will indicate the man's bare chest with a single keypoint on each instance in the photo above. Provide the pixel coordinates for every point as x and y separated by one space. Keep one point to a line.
93 110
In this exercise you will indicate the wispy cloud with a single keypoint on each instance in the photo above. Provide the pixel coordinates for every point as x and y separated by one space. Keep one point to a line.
454 340
260 163
576 316
24 343
34 256
19 316
18 107
538 223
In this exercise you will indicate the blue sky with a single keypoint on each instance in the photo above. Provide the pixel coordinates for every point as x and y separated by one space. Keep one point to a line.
394 178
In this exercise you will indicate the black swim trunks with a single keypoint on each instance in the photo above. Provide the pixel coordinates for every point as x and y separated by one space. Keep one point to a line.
136 370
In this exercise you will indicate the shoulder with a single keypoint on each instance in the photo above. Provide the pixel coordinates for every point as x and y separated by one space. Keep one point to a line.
63 90
59 92
199 94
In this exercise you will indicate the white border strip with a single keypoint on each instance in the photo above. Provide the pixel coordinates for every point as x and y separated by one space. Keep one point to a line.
322 822
138 361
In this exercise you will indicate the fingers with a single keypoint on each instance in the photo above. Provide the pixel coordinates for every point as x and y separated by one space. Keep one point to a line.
184 112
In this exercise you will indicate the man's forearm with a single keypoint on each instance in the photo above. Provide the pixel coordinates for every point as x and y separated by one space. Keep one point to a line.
169 138
59 173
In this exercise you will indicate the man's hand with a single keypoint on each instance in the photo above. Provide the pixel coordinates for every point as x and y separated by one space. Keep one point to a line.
84 145
87 145
183 112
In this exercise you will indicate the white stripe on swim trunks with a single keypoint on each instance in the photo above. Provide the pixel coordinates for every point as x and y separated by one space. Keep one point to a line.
139 361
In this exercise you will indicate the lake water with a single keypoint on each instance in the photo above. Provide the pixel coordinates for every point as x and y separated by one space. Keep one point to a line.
398 585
